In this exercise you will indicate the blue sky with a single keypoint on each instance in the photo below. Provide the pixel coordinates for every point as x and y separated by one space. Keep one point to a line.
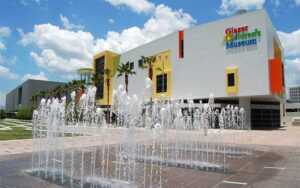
82 28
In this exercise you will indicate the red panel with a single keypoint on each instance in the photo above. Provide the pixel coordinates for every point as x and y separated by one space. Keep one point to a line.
180 44
276 77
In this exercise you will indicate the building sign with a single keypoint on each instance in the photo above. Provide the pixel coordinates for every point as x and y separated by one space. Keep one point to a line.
240 36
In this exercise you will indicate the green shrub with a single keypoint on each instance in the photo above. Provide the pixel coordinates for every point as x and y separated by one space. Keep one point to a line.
11 115
25 113
2 114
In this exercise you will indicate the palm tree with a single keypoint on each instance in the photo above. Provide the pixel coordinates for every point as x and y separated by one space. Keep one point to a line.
124 69
70 85
107 76
97 79
57 90
73 85
43 94
50 94
81 85
66 87
34 99
148 63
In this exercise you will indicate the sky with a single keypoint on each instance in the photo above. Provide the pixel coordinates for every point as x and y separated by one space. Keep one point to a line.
51 39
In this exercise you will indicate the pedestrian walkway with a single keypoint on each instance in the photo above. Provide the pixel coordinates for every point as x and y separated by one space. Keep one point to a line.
286 136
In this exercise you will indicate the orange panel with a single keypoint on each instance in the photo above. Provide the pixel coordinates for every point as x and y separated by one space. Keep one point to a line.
181 38
276 76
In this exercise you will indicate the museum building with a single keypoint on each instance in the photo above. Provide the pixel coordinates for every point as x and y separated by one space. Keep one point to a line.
239 59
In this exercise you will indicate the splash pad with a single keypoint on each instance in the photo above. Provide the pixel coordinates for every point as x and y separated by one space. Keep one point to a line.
74 146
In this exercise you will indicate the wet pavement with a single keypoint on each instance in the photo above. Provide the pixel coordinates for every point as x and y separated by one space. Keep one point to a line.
270 166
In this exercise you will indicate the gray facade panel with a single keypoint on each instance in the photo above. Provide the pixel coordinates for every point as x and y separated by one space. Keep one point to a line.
29 88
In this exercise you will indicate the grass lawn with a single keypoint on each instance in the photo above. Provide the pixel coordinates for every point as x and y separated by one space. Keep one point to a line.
15 131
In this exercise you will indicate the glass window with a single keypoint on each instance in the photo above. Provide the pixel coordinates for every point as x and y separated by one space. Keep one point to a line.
100 70
292 110
100 65
20 95
230 79
141 63
161 83
131 65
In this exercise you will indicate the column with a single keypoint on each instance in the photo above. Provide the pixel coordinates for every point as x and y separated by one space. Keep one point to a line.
245 102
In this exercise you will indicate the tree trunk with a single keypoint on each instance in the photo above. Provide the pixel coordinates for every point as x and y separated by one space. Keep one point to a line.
108 112
82 88
126 82
150 73
151 76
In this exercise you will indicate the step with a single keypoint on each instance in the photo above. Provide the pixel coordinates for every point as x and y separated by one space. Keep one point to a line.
296 123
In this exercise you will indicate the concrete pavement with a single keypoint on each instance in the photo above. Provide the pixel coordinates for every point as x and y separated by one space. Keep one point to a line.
285 136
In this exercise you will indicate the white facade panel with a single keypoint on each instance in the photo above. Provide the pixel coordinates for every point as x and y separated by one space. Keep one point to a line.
206 59
137 82
202 70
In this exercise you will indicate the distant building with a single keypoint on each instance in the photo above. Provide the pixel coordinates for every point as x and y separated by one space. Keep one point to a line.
19 97
292 109
295 94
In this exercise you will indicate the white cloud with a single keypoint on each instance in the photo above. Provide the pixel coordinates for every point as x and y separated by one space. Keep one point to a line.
2 99
163 21
50 60
23 2
139 6
20 31
112 21
292 72
2 58
2 46
65 51
7 74
71 76
4 32
12 60
61 50
276 2
297 2
69 25
229 7
40 76
290 42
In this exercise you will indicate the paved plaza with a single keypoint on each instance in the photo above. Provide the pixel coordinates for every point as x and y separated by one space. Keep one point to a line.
275 163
